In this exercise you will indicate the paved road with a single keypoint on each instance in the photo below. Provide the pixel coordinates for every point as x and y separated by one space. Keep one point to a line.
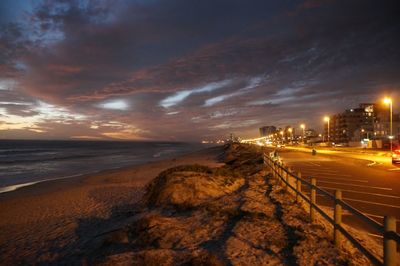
371 186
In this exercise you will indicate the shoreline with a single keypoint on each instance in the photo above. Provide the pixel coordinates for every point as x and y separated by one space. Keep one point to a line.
18 187
21 185
42 222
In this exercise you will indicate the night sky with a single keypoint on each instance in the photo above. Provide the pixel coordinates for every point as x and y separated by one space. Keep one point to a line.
190 69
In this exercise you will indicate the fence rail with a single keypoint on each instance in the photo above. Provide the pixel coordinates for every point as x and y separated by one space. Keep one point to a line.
390 237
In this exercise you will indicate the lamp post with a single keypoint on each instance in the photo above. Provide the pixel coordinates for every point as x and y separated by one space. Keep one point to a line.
303 127
326 119
390 103
290 130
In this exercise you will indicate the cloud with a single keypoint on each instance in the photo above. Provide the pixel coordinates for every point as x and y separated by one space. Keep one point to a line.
253 83
182 95
181 70
114 105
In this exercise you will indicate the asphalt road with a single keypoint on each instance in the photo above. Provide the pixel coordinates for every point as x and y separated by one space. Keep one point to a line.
371 186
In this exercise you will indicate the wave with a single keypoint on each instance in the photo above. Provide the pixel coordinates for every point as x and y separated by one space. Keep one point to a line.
161 153
24 151
22 163
17 186
43 158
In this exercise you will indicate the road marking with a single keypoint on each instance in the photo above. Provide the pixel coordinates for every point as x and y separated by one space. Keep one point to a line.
315 164
325 173
371 164
360 192
328 172
378 236
346 184
373 215
374 203
318 170
377 216
345 179
394 169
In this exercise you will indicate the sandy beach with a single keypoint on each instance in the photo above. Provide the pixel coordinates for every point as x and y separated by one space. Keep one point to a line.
50 220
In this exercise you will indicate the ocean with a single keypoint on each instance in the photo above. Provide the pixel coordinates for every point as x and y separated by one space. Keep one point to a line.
26 162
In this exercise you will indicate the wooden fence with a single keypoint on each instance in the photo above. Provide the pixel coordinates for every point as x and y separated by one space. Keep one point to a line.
294 182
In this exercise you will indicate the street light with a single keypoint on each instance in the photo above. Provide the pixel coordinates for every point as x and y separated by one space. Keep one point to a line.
290 130
326 119
390 103
303 127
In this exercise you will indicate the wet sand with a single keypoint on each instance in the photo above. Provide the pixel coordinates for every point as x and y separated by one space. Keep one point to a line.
48 221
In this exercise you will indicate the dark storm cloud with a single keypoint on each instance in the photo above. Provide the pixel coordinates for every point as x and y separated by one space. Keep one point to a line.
12 46
105 42
203 67
363 42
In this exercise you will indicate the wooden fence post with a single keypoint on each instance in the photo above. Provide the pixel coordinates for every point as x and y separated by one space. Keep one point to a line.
298 187
285 177
279 172
337 216
312 199
389 245
288 178
273 168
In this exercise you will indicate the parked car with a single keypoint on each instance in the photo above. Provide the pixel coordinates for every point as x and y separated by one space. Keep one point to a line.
396 156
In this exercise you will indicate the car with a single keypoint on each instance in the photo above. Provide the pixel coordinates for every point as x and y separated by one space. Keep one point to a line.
396 156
